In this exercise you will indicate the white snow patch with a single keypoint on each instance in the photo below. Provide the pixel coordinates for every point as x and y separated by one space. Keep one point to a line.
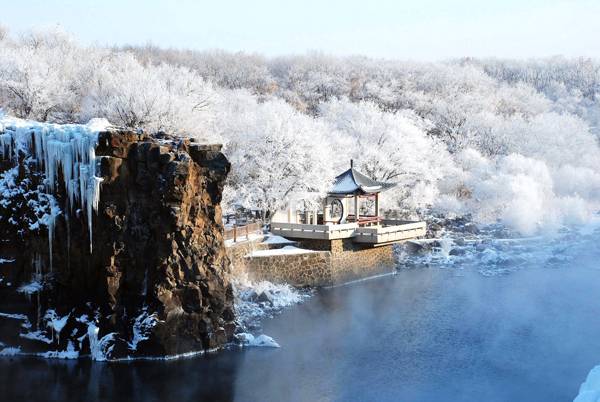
98 124
30 288
141 328
345 185
10 351
274 239
287 250
36 336
56 322
239 239
589 391
14 316
100 349
70 353
263 340
249 310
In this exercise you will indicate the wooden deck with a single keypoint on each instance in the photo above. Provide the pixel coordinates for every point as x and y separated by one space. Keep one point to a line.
384 232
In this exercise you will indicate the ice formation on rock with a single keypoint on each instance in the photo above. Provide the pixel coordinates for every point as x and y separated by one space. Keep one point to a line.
262 340
142 326
100 349
65 153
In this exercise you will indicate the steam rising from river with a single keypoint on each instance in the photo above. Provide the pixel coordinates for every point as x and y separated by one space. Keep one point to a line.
528 195
471 317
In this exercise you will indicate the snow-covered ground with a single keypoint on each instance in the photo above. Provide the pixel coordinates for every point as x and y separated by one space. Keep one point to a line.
590 389
286 250
244 238
494 251
247 339
52 325
255 301
274 239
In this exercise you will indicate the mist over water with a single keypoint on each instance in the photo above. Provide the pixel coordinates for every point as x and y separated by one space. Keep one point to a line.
506 320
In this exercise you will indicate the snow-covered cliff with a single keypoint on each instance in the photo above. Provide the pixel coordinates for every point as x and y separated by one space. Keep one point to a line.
111 242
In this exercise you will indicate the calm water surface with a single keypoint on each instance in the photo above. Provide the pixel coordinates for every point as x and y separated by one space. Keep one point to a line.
425 334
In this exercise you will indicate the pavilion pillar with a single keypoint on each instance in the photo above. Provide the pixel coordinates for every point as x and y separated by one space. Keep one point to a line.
377 204
356 210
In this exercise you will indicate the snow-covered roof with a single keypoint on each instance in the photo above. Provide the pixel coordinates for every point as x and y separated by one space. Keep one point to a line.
354 182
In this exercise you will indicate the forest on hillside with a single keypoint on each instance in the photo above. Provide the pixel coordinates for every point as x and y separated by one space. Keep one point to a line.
516 141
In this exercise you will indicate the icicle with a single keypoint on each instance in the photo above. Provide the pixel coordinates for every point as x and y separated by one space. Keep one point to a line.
50 220
93 199
37 262
6 145
68 223
145 283
70 149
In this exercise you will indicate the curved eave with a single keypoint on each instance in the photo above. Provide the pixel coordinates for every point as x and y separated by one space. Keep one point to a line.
352 182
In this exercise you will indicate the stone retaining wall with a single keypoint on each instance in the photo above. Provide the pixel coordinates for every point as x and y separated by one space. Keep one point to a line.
238 251
335 262
307 269
351 261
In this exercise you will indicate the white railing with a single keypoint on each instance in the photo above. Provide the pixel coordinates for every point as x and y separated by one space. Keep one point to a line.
387 234
305 231
404 225
367 234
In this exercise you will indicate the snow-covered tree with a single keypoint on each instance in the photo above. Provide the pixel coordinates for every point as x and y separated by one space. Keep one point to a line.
458 136
155 98
275 152
391 147
43 75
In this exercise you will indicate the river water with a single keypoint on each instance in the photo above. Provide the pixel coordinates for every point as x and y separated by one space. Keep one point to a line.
433 332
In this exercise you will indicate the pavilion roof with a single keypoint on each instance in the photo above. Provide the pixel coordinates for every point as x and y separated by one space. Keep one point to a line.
352 182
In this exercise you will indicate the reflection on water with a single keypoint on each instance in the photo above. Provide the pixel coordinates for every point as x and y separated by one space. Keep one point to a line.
424 334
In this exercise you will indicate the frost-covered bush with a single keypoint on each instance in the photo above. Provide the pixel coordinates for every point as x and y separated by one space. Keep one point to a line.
156 98
47 76
527 194
44 75
275 152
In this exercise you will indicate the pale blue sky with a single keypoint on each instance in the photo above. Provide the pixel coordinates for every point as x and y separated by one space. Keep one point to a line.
416 29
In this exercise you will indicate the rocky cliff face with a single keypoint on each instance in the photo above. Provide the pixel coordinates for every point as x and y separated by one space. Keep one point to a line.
124 258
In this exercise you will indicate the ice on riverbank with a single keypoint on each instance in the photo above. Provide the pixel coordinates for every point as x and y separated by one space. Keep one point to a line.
247 339
142 326
255 301
69 353
493 250
10 351
590 389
